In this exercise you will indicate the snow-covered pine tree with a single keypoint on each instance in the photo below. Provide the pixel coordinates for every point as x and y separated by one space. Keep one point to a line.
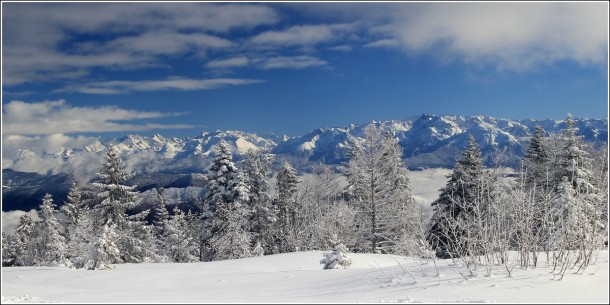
77 226
232 238
160 222
104 250
134 238
225 234
161 215
576 210
192 227
72 209
180 247
336 258
287 180
8 250
50 244
380 192
445 232
536 161
21 239
257 169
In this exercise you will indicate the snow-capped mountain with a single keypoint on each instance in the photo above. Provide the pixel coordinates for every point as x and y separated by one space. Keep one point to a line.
436 141
427 141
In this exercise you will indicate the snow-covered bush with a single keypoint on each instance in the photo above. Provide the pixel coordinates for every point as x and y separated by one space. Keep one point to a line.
336 258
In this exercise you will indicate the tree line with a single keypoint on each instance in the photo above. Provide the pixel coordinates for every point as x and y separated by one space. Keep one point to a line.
557 205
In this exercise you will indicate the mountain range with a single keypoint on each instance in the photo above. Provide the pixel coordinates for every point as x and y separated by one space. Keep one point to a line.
427 141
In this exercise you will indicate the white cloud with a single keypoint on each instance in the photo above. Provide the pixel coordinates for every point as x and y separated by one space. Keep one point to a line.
509 36
384 43
167 43
341 48
56 117
295 62
302 35
239 61
39 38
296 35
175 83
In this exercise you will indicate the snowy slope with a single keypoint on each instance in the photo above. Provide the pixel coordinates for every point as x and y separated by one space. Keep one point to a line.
299 278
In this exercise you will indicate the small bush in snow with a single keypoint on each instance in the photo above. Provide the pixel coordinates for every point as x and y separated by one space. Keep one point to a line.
336 258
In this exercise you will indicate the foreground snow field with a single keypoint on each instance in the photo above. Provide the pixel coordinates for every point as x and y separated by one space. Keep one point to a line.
299 278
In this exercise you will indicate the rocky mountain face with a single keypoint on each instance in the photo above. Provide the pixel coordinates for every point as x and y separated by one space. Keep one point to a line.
157 161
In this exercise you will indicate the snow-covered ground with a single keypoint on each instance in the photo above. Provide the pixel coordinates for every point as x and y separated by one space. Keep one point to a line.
299 278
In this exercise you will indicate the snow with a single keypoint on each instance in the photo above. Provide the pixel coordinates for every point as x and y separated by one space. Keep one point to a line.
298 278
244 146
309 145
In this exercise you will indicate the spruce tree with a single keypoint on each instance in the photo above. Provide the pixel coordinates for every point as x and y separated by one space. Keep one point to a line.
232 238
72 208
536 161
577 200
180 246
225 235
447 231
77 226
8 250
49 242
160 221
21 240
257 169
134 238
286 204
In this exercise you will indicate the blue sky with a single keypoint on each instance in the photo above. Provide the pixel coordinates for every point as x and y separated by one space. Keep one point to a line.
288 68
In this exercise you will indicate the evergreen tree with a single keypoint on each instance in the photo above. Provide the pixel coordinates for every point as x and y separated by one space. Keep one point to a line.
536 161
180 246
77 226
380 191
565 213
134 238
161 215
225 235
104 249
336 258
446 231
160 221
192 227
21 239
79 243
576 206
72 208
232 239
8 250
49 241
287 181
263 217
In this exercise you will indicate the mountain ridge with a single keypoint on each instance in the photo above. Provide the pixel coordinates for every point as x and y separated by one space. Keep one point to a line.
427 141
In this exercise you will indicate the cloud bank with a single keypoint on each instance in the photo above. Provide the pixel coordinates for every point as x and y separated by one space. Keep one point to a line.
57 117
508 36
